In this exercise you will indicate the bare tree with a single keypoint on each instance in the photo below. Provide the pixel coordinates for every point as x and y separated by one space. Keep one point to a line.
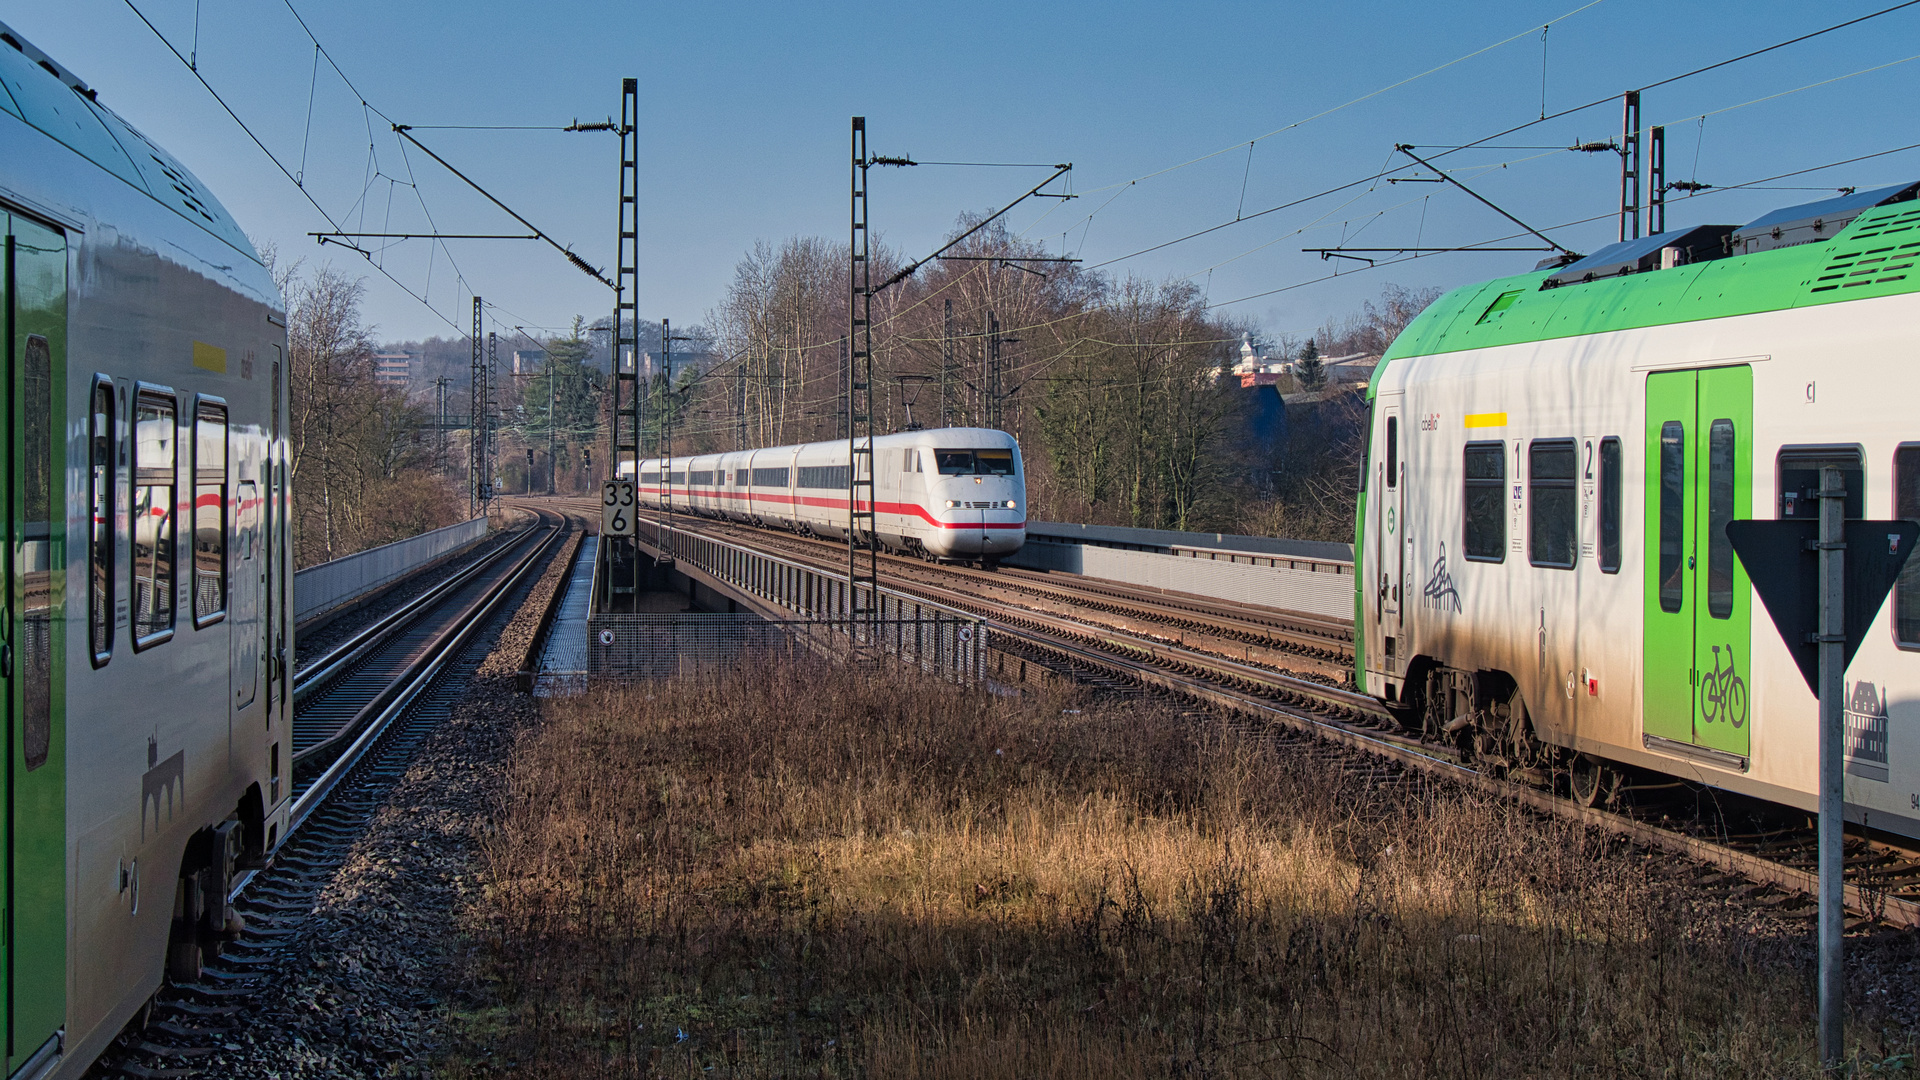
351 441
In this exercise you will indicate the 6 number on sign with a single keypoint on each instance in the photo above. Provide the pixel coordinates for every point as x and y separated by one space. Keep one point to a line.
616 508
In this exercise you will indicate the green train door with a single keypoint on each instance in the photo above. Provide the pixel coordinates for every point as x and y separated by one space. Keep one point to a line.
1697 678
35 957
1389 644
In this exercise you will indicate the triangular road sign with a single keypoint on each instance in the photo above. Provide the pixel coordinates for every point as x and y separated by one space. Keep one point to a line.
1784 564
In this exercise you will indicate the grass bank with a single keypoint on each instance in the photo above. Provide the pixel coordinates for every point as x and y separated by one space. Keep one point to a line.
811 873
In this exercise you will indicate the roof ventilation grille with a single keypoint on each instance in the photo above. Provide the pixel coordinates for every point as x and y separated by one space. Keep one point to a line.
184 186
1883 249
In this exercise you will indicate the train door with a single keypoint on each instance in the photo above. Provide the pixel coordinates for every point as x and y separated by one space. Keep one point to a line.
1389 544
274 555
1695 683
248 580
33 653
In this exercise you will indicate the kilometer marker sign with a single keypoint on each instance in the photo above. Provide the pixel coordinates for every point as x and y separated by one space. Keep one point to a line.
616 508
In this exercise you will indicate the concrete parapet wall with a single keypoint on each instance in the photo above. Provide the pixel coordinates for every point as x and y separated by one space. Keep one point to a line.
1316 586
318 589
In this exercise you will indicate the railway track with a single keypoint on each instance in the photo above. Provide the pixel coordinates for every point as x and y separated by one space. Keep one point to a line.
1760 843
360 715
1287 642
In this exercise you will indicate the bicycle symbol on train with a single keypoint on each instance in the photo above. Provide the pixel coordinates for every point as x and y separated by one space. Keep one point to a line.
1723 693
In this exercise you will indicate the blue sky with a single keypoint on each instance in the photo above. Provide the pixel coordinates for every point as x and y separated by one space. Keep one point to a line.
744 116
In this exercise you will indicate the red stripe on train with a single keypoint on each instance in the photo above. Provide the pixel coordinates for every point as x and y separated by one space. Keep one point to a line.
904 509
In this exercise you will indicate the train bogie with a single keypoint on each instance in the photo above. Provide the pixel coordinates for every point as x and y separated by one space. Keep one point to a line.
949 493
1545 578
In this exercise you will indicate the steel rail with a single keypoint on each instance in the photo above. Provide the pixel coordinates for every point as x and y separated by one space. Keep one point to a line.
417 678
1894 910
458 624
343 656
1897 911
998 613
1297 622
381 713
1269 628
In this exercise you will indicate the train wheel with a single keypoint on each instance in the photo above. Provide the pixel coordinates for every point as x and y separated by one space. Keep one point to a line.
184 955
1592 781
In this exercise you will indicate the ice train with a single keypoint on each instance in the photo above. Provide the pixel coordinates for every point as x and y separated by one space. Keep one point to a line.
951 494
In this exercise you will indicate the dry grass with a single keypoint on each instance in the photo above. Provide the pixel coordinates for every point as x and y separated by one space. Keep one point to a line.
814 873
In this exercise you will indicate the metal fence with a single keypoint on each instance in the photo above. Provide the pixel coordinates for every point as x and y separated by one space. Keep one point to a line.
932 637
330 584
658 645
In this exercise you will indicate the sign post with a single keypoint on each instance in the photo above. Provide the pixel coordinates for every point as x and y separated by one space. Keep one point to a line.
1823 607
1831 638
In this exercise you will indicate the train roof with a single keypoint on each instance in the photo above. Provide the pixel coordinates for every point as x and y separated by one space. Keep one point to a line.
959 438
1871 255
57 103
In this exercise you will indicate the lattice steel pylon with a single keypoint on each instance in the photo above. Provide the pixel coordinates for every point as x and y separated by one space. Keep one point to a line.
1630 166
623 435
863 544
949 369
1657 181
493 408
476 424
995 375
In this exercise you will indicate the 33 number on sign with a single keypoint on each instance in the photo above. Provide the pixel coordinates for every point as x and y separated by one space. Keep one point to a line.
616 508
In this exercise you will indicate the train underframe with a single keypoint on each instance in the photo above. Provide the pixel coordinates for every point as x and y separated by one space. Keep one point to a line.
215 857
1483 716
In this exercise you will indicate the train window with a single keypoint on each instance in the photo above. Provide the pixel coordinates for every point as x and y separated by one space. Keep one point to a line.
1393 451
1906 504
1610 481
1799 469
209 512
1485 538
1673 515
823 476
954 462
769 478
993 462
1366 453
154 450
1553 524
702 478
906 460
100 478
649 477
1720 489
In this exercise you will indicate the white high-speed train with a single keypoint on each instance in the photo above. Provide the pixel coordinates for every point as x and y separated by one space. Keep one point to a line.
145 641
947 493
1545 576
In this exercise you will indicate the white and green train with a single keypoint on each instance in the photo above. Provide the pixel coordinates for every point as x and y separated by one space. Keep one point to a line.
1544 575
144 637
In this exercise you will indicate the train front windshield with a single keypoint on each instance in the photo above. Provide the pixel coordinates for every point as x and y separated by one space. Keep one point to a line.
989 462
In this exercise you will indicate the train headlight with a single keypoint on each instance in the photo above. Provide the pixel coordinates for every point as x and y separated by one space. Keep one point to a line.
1011 505
951 504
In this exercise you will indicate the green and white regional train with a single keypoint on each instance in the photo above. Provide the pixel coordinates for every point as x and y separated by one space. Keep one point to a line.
145 588
1552 459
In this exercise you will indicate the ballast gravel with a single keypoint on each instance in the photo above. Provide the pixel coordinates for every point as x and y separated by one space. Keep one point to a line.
366 985
313 645
360 989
